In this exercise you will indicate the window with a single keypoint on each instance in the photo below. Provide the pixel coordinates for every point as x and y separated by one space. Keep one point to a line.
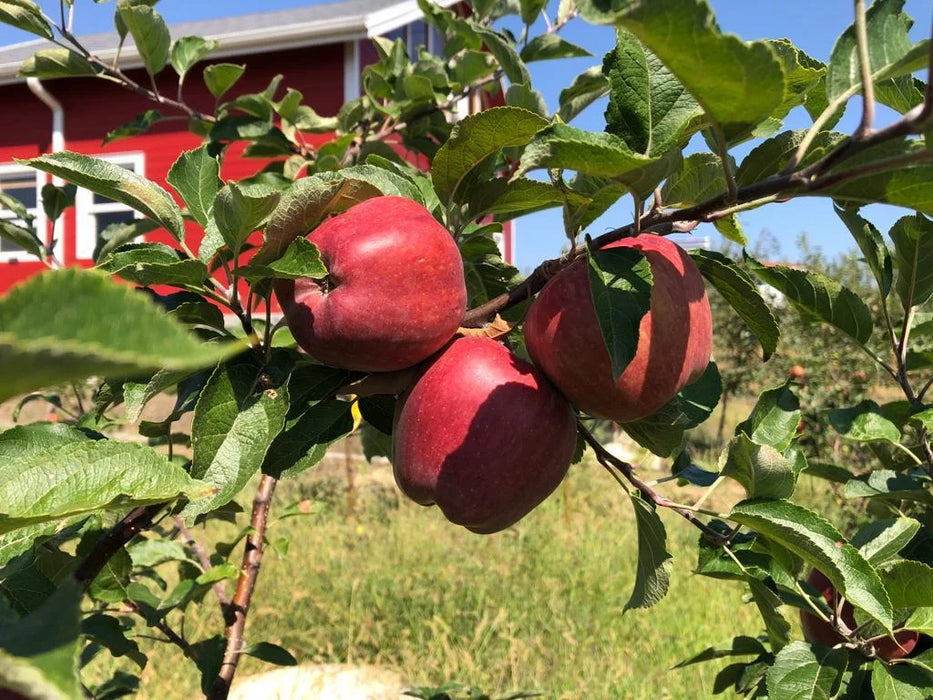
418 34
96 212
23 184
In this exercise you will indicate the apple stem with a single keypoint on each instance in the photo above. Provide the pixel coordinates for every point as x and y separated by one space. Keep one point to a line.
610 461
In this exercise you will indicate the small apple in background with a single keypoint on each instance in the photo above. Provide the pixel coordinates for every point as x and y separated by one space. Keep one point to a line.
797 372
394 293
483 435
821 632
674 345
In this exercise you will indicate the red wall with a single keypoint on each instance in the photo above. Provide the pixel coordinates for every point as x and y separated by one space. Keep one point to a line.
93 107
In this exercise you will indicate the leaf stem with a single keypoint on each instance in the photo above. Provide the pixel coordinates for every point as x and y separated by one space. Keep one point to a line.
864 61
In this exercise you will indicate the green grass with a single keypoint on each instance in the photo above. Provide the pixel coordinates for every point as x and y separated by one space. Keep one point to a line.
537 607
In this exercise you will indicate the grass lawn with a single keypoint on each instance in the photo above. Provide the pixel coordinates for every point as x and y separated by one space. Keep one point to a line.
539 607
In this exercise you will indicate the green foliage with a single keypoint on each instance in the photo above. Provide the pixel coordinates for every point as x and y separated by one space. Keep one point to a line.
261 410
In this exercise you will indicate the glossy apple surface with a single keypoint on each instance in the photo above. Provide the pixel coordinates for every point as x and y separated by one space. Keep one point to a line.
483 435
820 632
675 336
394 293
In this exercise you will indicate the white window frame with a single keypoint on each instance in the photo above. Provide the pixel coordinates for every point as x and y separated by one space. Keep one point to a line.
86 210
39 222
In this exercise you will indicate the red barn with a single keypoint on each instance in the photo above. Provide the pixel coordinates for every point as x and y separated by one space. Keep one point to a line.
319 50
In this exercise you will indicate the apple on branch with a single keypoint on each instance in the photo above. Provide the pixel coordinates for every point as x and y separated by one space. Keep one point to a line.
483 435
394 293
674 343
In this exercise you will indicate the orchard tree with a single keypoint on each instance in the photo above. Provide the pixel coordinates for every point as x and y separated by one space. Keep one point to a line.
618 327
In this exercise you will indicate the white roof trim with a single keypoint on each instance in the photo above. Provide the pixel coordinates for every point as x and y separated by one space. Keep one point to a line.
333 31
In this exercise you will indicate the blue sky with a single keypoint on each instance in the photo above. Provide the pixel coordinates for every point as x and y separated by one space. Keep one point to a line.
813 25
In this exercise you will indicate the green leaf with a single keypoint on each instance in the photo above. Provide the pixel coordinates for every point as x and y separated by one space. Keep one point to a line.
821 296
913 252
105 329
506 199
649 108
864 423
888 45
306 437
742 294
270 653
116 235
805 672
147 553
108 631
653 573
872 245
109 586
137 394
768 604
530 9
738 84
301 259
773 154
662 432
504 51
149 264
57 63
585 89
188 50
591 153
888 484
117 183
56 200
921 620
900 682
545 47
774 419
150 34
762 470
25 15
620 285
14 543
909 584
523 96
220 77
195 175
39 652
880 540
700 178
474 139
304 206
741 645
83 477
23 237
234 423
240 210
802 74
896 172
140 125
731 229
814 539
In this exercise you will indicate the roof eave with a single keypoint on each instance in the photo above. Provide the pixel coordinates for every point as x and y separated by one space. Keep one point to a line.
299 35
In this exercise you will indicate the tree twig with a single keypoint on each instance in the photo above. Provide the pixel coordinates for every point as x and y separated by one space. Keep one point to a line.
246 583
219 589
136 521
606 458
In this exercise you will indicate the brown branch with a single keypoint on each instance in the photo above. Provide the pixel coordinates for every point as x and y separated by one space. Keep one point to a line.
606 458
136 521
219 589
246 583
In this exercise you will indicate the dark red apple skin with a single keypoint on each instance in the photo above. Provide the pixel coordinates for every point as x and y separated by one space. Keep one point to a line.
394 295
483 435
817 631
675 337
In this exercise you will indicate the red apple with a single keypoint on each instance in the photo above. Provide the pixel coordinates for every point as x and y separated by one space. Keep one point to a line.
394 293
675 336
483 435
820 632
797 372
